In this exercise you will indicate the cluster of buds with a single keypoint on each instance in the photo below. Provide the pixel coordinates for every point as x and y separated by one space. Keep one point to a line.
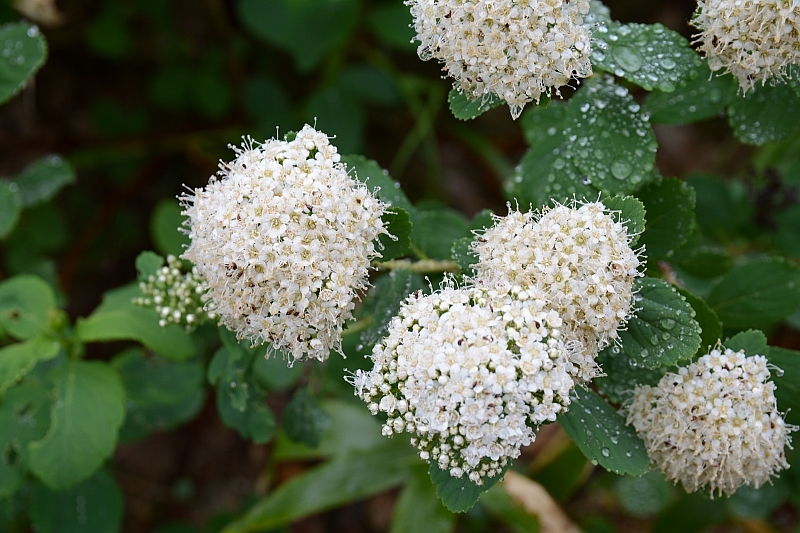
178 297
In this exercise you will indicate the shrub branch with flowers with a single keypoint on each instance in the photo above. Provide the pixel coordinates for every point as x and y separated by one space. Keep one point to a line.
607 298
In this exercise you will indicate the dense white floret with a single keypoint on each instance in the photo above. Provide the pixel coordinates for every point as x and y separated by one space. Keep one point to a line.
284 240
715 424
753 40
469 373
516 50
579 258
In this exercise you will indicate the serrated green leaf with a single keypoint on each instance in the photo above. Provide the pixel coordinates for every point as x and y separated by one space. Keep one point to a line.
459 494
303 419
663 329
118 319
418 509
10 207
500 505
370 173
24 417
16 360
436 230
466 109
344 479
147 264
708 320
787 381
757 294
704 97
670 216
462 254
306 29
622 374
752 341
255 422
599 141
160 394
601 434
398 223
649 55
164 228
389 292
631 212
84 422
25 304
644 496
93 506
41 181
22 52
767 113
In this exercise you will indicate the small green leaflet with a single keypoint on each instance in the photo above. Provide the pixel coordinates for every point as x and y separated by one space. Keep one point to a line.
303 419
752 341
147 264
86 416
41 181
670 216
18 359
663 329
766 113
631 212
165 228
255 422
378 181
757 294
22 52
601 434
649 55
398 223
466 109
459 494
25 304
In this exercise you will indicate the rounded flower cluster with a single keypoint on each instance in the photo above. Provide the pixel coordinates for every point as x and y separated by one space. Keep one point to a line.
515 50
580 259
284 239
177 297
753 40
470 373
714 424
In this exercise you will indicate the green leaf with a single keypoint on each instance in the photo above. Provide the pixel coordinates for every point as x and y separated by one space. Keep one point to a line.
347 478
86 416
601 434
389 292
721 214
787 381
462 254
369 84
622 374
670 217
25 304
93 506
699 259
644 496
692 513
147 264
164 224
785 239
393 25
229 369
274 373
506 510
631 212
706 96
378 181
41 181
752 341
306 29
708 320
398 223
16 360
160 394
338 112
649 55
465 109
598 142
418 509
24 417
118 319
759 503
663 329
10 207
303 419
255 422
767 113
459 494
757 294
22 53
436 230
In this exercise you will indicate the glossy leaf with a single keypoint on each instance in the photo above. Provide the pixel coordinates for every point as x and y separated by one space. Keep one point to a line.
766 113
706 318
42 180
436 230
752 341
465 109
631 212
622 374
601 434
22 52
378 181
670 217
398 223
84 422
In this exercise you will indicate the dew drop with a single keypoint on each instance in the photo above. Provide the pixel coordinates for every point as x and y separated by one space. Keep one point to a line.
644 353
628 58
606 452
621 169
668 323
668 63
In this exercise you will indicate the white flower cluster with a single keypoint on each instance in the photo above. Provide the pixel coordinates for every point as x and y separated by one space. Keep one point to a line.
177 297
514 49
714 424
284 239
580 259
470 373
753 40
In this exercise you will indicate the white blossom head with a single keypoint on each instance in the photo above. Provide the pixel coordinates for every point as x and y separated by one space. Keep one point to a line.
515 50
579 258
469 373
713 425
754 41
284 240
